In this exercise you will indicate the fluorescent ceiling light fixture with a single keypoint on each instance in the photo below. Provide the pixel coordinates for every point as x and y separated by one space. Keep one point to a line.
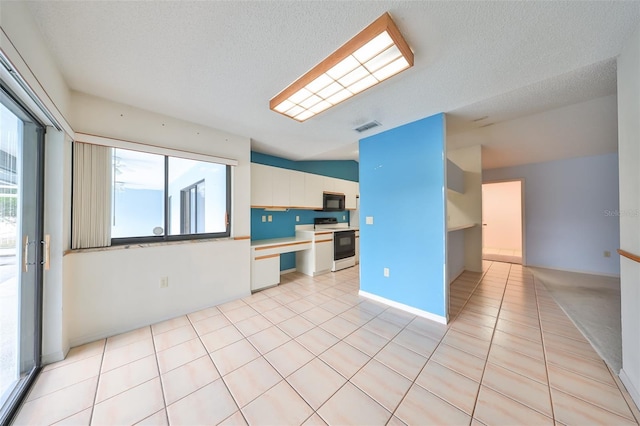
372 56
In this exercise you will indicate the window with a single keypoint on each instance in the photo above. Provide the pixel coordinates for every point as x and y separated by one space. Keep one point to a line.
157 197
192 209
138 194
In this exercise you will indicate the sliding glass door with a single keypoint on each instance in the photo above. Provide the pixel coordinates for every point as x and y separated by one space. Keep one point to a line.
21 250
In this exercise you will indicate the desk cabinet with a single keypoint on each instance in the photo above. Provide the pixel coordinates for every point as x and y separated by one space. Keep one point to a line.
265 271
265 259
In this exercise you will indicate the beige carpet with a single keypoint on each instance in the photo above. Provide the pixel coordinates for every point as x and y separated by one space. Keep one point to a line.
593 304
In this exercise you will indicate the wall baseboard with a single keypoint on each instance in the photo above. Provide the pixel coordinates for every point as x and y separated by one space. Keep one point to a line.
403 307
456 275
52 357
635 394
287 271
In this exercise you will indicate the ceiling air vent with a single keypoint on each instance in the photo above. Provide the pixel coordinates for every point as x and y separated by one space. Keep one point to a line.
367 126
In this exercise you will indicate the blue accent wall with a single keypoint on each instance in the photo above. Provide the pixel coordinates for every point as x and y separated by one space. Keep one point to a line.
402 179
341 169
284 223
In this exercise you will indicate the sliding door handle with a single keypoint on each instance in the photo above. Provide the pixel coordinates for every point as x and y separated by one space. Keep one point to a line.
25 254
46 251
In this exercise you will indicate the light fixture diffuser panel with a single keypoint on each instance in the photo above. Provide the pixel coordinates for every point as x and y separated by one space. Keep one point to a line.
376 53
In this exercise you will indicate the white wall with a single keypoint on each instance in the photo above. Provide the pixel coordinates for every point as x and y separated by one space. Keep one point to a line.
502 214
25 49
455 254
21 42
629 159
570 210
463 209
57 208
92 295
116 290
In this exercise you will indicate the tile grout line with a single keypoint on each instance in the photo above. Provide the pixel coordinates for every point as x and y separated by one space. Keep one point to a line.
214 366
348 380
585 376
266 360
155 355
544 347
544 361
486 361
628 399
371 358
482 275
95 395
413 382
314 411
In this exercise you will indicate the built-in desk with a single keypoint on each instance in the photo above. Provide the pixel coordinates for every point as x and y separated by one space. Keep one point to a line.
265 258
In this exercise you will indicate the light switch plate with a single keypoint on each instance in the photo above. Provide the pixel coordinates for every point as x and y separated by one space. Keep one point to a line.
369 220
270 218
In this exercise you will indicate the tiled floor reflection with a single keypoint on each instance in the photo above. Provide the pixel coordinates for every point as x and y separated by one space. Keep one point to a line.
311 351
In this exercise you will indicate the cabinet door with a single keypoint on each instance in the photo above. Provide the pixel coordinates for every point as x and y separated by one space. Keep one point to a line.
280 187
313 188
341 186
331 184
296 189
324 253
350 195
261 185
265 271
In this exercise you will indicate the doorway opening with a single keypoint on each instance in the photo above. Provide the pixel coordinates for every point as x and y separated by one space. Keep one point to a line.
503 221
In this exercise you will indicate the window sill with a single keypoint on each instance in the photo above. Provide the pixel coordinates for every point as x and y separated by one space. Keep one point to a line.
154 244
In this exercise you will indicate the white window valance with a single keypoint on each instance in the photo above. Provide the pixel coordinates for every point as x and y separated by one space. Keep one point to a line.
151 149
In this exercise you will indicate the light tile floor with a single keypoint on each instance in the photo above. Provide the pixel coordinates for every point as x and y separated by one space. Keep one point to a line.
311 351
502 255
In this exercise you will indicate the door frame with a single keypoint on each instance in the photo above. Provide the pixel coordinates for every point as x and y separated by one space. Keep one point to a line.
21 390
522 214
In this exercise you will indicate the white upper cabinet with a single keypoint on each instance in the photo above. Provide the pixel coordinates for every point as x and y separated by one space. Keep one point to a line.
278 187
351 192
261 184
313 189
332 185
296 188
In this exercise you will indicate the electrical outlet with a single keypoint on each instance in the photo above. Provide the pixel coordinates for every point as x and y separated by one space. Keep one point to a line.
164 282
386 272
269 218
369 220
264 218
344 217
607 253
297 218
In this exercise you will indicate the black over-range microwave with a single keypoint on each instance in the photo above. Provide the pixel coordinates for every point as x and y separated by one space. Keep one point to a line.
332 202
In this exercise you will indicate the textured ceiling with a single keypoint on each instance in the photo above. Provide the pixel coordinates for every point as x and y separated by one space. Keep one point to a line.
218 63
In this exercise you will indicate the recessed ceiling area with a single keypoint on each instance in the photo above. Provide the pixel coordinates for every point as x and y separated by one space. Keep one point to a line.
219 63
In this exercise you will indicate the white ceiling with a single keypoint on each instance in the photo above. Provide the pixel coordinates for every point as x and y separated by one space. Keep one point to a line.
218 63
